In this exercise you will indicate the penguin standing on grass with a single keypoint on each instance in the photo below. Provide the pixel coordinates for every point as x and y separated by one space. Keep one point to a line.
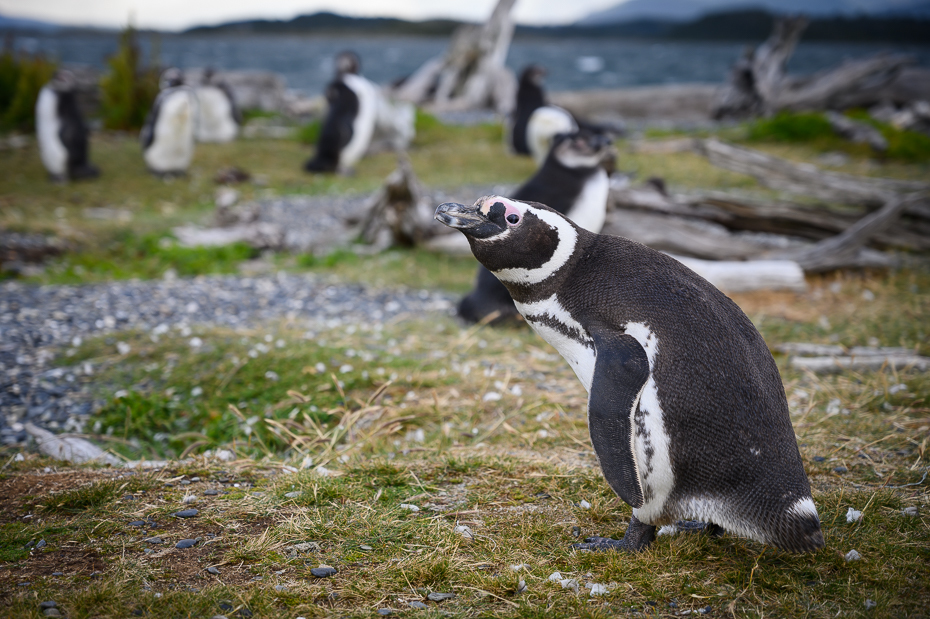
536 123
574 182
61 131
218 117
686 409
168 134
350 122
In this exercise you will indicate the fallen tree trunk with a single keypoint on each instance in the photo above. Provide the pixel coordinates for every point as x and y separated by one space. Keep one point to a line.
749 275
822 358
808 180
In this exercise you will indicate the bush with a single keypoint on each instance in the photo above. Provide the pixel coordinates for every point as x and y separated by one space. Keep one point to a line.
21 79
129 90
813 129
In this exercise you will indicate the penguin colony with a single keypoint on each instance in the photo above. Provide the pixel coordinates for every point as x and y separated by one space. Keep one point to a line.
686 409
61 131
573 181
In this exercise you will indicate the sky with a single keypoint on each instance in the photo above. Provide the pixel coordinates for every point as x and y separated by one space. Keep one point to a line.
180 14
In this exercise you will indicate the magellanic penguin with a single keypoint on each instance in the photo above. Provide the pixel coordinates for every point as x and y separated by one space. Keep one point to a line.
574 182
535 123
218 118
168 134
686 409
61 131
350 122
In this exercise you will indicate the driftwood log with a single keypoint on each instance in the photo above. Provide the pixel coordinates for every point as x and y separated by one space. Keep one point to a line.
471 75
824 358
759 85
399 213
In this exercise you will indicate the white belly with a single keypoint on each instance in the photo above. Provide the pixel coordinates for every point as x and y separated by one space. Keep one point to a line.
215 122
578 350
544 124
590 208
48 126
173 145
364 125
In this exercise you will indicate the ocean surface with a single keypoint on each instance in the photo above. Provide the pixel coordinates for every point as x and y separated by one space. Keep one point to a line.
573 64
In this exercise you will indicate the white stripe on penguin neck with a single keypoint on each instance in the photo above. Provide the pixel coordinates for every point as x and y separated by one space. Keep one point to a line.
568 237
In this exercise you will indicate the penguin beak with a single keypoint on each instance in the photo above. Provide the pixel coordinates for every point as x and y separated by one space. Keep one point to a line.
468 219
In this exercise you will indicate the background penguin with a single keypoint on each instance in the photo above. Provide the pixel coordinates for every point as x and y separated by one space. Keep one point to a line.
350 122
574 182
218 118
686 409
535 123
61 131
168 134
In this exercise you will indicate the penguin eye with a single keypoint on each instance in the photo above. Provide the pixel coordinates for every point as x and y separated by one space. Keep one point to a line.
513 219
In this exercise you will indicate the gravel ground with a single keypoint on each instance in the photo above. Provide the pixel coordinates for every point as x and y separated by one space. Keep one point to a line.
39 322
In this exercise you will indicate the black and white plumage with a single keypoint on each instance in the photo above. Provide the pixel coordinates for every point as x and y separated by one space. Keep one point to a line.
350 122
572 181
218 118
686 409
168 134
536 123
61 131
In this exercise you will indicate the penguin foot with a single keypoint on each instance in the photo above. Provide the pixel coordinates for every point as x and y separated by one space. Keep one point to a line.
637 538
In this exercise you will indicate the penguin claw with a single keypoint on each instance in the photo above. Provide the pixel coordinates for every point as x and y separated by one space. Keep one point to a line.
601 544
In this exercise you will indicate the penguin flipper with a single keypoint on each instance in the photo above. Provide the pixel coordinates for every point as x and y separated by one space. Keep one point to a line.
620 373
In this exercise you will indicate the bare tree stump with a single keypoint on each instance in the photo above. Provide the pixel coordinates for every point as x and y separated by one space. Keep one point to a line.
398 214
471 75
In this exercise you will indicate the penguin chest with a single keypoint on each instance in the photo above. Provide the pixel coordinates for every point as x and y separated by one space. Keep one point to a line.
590 207
557 326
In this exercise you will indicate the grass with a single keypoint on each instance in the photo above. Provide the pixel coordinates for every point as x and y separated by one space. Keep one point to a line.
332 432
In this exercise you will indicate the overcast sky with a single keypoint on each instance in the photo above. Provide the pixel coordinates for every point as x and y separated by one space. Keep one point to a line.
179 14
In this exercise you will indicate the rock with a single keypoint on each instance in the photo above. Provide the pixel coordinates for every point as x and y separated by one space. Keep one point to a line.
384 612
584 504
51 612
870 604
185 513
154 540
819 459
521 587
464 531
188 499
69 448
244 612
418 605
909 511
323 572
569 583
58 573
280 588
137 523
213 570
366 547
409 507
41 544
218 617
597 589
576 531
186 543
840 470
48 604
853 515
852 555
439 597
555 576
292 495
211 492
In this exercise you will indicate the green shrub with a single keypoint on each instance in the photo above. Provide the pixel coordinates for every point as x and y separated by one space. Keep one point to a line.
21 79
129 89
791 127
309 133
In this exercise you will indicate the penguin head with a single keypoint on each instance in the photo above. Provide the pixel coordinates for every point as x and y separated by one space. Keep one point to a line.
63 81
533 74
347 62
584 148
520 242
170 78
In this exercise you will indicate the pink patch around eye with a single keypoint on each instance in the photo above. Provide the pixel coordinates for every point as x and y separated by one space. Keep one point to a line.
511 210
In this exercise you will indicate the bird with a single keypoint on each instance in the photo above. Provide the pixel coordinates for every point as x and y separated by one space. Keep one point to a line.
535 123
218 117
350 121
167 136
686 409
61 132
573 181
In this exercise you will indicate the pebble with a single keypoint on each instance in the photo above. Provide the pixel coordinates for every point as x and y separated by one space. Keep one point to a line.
841 470
211 492
218 617
51 612
280 588
819 459
366 547
521 587
323 572
292 495
39 322
58 573
409 507
909 511
186 543
154 540
213 570
384 612
185 513
417 604
870 604
464 531
852 555
244 612
597 589
40 544
853 515
439 597
569 583
137 523
555 576
48 604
